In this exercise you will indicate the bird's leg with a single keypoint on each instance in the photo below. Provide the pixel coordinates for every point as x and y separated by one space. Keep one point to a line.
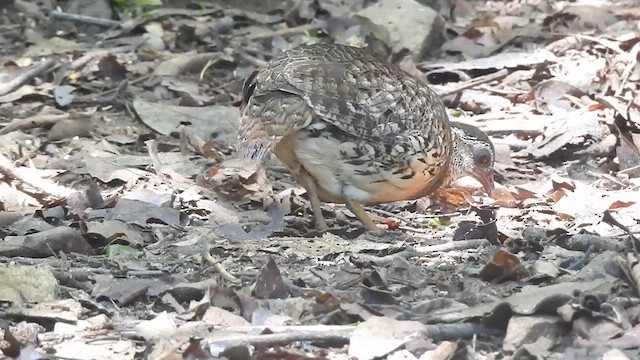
362 215
316 206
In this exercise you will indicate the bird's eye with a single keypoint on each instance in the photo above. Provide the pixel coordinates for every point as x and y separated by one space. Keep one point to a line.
483 158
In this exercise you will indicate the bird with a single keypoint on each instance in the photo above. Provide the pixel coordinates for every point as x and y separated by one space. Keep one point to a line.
356 130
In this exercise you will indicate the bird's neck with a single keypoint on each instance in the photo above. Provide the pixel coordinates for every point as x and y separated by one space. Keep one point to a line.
454 170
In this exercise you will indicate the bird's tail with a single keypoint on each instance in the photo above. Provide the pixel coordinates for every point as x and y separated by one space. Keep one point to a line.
256 149
255 141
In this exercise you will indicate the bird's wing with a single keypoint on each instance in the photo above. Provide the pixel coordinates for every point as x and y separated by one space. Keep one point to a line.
268 115
345 87
364 98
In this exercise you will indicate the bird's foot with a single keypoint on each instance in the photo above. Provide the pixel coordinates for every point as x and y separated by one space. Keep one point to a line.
386 236
320 223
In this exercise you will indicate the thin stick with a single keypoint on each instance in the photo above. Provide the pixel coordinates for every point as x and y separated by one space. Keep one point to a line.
216 265
633 54
30 178
84 59
633 168
283 32
23 78
388 214
475 82
287 338
452 245
33 122
87 20
604 42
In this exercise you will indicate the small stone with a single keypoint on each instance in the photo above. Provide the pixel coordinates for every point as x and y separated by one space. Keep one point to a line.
523 330
410 25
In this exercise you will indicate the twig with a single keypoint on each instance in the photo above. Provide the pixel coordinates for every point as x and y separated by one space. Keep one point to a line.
33 122
341 336
284 32
633 54
87 20
353 282
633 168
205 67
604 42
475 82
152 149
23 78
452 245
216 265
388 214
84 59
434 216
255 61
30 178
415 229
608 177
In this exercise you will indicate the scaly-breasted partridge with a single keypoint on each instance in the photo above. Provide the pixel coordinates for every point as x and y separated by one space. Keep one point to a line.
356 130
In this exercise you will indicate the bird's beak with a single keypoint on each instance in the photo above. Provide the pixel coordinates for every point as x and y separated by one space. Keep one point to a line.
486 179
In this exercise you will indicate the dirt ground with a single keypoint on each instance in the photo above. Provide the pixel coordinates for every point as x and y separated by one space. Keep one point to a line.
130 229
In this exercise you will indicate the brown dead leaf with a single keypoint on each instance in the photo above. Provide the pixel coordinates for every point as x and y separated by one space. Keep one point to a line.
620 204
453 197
111 68
472 33
504 197
325 303
559 183
235 178
556 195
391 224
503 266
521 193
209 149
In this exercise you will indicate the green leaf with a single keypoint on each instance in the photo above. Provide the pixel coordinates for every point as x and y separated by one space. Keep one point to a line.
308 39
438 222
115 249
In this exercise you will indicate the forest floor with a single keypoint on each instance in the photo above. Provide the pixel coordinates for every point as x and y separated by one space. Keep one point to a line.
130 229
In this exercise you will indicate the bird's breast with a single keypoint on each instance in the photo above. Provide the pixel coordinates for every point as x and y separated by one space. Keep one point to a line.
348 167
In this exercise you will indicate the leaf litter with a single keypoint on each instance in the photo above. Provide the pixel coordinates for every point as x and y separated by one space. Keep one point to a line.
131 230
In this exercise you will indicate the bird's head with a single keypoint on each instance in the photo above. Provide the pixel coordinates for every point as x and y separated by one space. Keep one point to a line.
473 155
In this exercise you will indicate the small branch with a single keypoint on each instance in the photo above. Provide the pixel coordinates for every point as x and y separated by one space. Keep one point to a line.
99 53
633 56
216 265
342 337
452 246
475 82
86 20
152 148
284 32
611 45
25 176
25 77
32 122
